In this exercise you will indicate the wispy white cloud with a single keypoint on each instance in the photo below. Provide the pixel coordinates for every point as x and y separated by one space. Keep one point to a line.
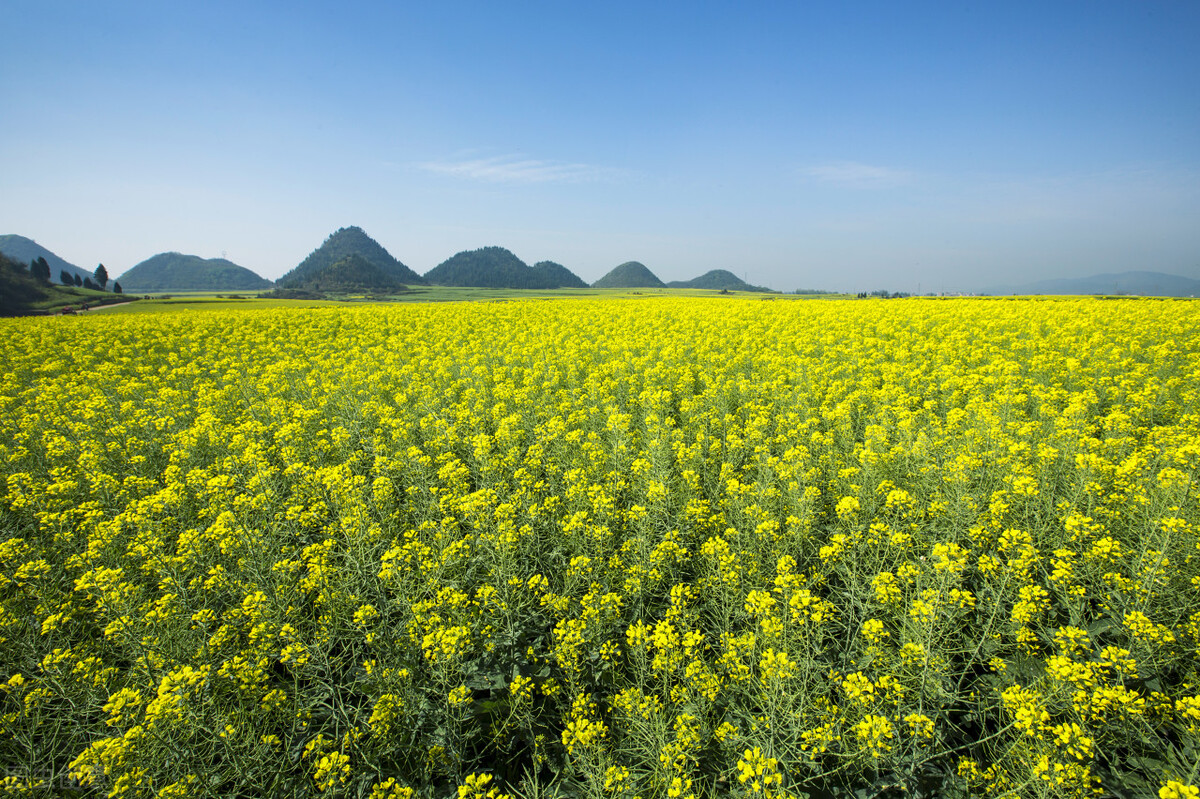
852 174
519 169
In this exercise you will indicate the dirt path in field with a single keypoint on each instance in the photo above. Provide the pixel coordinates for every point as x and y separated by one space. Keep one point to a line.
103 307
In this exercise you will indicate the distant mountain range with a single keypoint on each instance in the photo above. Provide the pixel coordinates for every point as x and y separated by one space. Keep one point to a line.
1144 284
173 271
24 250
350 261
341 244
496 267
717 280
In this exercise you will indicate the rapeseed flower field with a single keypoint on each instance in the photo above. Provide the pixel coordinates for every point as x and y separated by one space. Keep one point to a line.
657 547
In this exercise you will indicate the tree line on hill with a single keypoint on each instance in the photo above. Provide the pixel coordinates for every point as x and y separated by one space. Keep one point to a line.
26 289
39 268
883 293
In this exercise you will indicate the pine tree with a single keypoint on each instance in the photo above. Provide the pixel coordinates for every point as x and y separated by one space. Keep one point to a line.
116 287
40 269
101 276
65 278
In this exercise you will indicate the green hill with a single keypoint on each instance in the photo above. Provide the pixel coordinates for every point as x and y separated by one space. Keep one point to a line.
559 275
716 280
24 250
354 273
496 267
173 271
629 275
342 243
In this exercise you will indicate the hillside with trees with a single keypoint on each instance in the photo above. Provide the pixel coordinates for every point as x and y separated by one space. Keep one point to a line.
629 275
559 275
20 289
25 290
173 271
352 274
341 244
717 280
26 251
496 267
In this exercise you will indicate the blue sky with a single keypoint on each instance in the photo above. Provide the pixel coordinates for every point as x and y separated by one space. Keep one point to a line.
849 146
